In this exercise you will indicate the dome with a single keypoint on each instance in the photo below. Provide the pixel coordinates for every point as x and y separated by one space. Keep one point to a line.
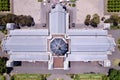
58 46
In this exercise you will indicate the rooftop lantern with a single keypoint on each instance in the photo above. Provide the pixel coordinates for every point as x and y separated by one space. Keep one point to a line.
59 47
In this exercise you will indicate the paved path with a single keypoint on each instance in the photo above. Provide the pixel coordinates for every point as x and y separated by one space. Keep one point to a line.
7 77
116 54
1 37
55 76
76 68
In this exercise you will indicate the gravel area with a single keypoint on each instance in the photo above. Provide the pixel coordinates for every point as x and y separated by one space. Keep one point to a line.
28 7
85 7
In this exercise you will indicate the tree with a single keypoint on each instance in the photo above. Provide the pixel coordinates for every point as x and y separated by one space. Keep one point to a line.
95 20
87 20
25 21
108 20
3 65
114 74
93 23
103 18
10 18
30 21
20 20
115 19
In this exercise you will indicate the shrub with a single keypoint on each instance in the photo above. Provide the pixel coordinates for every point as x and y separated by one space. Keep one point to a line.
87 20
108 21
119 64
103 18
73 5
3 65
95 20
114 18
114 74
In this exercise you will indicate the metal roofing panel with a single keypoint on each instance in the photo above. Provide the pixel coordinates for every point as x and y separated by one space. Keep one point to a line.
26 43
58 8
85 32
28 32
88 53
84 57
57 20
23 56
91 43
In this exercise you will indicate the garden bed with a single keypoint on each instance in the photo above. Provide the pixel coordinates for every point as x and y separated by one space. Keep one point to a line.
112 6
88 77
4 5
29 77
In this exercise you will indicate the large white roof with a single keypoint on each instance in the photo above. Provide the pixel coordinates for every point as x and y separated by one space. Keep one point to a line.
29 32
26 43
87 32
29 56
84 57
57 20
91 44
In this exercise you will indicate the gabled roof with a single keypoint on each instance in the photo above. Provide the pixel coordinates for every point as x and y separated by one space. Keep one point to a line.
87 32
84 57
29 56
29 32
57 20
26 43
91 43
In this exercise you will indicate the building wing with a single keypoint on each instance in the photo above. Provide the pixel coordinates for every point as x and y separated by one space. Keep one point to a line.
25 43
91 44
57 20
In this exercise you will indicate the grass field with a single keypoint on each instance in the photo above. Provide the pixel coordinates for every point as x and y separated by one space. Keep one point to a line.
4 5
2 77
89 77
29 77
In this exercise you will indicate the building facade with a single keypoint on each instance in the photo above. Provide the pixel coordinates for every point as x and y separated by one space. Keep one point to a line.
58 45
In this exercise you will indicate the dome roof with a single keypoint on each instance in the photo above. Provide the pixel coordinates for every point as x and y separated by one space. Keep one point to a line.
58 46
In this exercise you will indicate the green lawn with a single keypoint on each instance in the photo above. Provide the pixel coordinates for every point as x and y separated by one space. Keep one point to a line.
29 77
89 77
4 5
114 27
2 77
40 0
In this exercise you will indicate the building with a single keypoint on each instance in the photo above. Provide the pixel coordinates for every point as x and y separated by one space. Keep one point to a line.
58 45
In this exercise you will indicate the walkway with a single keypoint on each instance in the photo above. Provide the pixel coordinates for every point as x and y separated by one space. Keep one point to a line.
61 76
